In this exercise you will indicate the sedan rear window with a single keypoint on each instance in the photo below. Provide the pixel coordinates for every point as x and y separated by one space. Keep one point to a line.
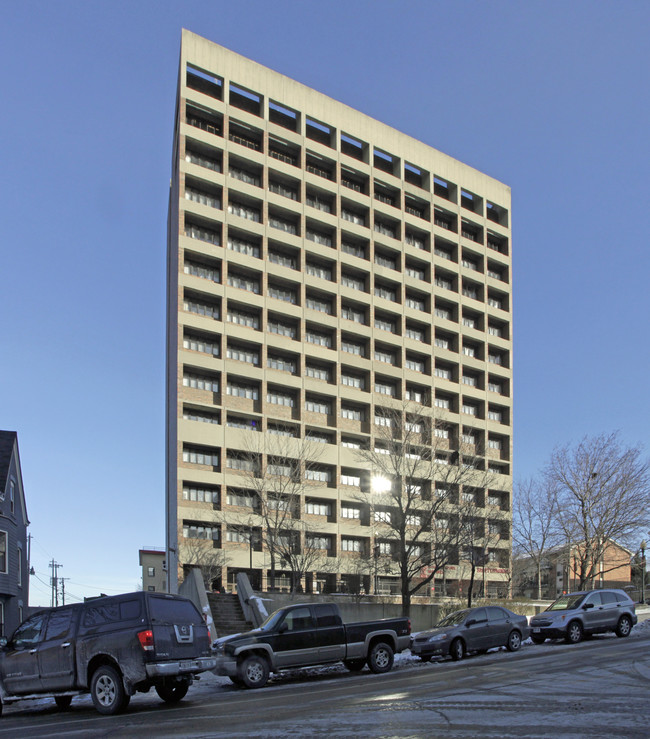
172 611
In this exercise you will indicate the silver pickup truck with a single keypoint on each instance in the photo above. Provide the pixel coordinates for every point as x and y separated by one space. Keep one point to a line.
303 635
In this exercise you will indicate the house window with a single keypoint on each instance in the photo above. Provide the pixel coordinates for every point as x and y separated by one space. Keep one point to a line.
19 569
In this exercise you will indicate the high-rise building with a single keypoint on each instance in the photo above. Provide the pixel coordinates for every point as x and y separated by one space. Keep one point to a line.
333 284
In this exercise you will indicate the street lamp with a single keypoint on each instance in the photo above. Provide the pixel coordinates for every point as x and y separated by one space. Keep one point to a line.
643 545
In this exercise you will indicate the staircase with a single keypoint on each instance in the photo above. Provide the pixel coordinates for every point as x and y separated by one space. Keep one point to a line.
227 614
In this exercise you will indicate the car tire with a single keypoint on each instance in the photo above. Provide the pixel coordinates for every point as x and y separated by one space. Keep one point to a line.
538 639
381 657
172 691
574 632
107 691
254 671
514 641
63 702
355 665
624 627
457 649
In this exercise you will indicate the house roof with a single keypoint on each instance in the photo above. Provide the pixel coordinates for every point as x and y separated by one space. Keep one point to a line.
7 442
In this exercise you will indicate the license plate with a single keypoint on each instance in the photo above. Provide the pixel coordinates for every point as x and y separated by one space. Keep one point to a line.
536 631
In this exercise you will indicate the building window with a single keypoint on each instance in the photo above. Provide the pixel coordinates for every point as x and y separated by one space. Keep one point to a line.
277 398
353 381
282 329
281 293
318 270
280 363
195 305
201 455
350 512
317 475
242 391
382 355
358 315
242 318
385 388
200 495
243 247
355 250
314 406
318 373
151 571
241 354
318 509
385 324
319 304
200 382
316 337
281 258
244 282
351 545
201 270
352 347
353 414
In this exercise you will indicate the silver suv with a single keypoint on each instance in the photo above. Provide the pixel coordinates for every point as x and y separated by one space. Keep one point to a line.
588 612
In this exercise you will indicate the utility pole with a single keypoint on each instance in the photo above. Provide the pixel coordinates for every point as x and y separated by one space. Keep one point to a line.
63 579
54 566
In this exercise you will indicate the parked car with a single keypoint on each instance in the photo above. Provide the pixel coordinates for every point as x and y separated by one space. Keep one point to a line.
111 647
309 634
471 630
574 615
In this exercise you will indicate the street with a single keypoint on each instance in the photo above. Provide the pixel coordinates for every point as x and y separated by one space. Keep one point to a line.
598 689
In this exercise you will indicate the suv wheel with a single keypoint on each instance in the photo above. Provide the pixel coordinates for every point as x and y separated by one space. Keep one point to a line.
107 691
574 632
172 691
624 626
254 671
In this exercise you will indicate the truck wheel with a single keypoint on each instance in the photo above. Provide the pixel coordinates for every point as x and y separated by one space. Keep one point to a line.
254 671
107 691
381 657
172 691
355 665
63 702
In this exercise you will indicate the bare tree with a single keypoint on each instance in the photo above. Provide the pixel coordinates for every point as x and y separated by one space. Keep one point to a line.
534 523
477 537
276 469
602 495
417 473
197 552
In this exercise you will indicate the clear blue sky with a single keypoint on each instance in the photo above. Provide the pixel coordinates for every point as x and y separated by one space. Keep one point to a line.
548 97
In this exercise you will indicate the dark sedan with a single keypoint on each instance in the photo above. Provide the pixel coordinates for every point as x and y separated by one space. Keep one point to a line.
471 630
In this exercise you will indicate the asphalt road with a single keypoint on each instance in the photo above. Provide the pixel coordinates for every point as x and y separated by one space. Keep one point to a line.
600 688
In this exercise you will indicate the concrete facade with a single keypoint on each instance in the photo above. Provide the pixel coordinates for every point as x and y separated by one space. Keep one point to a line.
322 267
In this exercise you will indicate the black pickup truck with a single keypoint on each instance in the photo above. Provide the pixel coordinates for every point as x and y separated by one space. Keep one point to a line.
111 647
303 635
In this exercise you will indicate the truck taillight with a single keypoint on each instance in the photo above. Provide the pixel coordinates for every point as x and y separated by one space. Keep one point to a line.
146 640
